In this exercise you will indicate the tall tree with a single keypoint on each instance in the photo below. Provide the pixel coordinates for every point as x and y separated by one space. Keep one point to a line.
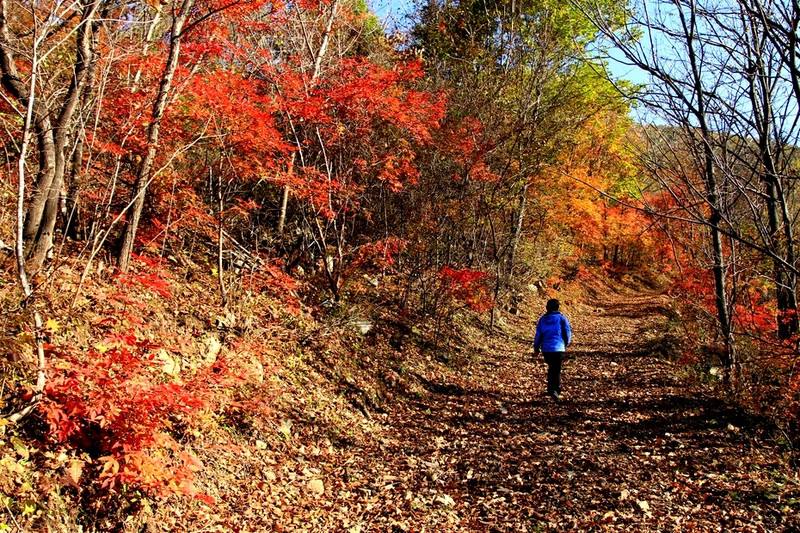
180 13
54 109
724 89
522 87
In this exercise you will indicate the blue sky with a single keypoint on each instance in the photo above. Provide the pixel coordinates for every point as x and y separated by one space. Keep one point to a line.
391 12
394 14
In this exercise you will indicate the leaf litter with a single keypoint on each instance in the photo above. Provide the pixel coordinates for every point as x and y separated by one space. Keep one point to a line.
630 446
479 447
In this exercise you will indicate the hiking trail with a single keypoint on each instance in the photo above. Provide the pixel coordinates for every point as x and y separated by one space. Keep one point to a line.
631 444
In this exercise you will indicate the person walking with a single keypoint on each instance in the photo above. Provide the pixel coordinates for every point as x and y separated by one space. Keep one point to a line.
553 335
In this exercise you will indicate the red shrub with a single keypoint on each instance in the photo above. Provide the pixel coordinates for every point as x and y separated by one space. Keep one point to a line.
467 286
116 402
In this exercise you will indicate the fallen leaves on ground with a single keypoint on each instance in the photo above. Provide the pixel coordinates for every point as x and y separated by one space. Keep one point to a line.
629 447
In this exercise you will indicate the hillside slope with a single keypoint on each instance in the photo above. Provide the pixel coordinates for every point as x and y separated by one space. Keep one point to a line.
334 428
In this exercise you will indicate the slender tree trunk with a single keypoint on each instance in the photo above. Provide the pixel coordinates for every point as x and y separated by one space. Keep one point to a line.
786 300
62 134
323 45
318 57
159 106
724 319
721 294
780 237
75 225
223 293
523 198
285 199
790 277
284 205
149 38
53 139
690 31
44 181
761 78
40 120
19 251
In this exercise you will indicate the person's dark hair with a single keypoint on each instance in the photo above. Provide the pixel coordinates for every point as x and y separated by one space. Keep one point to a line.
553 305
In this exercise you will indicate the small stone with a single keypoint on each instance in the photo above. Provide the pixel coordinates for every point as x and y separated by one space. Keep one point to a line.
446 500
362 325
316 487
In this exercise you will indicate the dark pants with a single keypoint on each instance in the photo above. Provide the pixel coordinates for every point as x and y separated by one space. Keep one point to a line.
553 360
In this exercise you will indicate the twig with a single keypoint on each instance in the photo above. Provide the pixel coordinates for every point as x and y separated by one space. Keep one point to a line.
22 275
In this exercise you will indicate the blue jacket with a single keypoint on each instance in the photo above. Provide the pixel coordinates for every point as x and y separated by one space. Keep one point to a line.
553 333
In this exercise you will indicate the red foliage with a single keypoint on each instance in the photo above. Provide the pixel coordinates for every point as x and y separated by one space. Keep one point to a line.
696 285
154 279
111 402
241 118
480 171
356 101
380 254
270 278
465 143
117 400
467 286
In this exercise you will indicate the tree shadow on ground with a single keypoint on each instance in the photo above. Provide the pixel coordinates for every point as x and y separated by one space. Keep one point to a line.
629 418
627 422
634 310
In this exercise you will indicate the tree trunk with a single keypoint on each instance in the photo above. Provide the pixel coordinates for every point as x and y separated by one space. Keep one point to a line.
63 132
284 205
52 137
223 293
44 182
786 300
143 177
790 280
318 57
721 298
713 199
523 198
75 225
285 199
19 252
761 79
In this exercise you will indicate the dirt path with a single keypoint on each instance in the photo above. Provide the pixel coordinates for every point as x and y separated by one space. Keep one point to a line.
629 448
